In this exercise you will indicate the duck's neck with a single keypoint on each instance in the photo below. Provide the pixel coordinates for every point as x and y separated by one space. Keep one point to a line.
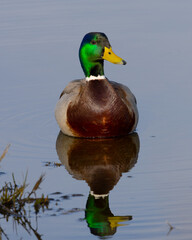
91 68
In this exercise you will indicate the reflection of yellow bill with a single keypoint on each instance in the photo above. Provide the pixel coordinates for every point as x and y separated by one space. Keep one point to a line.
115 221
110 56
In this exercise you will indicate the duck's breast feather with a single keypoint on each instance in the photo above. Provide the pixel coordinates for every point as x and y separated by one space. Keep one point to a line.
68 95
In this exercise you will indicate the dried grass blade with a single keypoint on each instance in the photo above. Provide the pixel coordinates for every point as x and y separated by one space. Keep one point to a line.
37 184
5 151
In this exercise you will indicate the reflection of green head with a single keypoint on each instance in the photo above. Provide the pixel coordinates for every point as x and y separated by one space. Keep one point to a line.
99 217
97 212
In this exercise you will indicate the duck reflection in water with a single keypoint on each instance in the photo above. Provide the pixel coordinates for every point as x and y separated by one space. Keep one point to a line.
100 162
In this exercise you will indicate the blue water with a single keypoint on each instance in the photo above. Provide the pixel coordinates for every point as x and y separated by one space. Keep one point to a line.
39 43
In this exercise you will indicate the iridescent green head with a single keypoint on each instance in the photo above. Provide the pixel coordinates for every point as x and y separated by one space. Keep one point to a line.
95 47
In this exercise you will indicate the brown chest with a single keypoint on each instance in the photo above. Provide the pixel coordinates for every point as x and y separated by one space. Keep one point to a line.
99 112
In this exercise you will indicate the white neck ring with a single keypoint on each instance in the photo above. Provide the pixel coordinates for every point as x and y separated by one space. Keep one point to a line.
99 77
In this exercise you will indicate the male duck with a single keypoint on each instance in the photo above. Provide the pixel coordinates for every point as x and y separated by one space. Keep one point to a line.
95 107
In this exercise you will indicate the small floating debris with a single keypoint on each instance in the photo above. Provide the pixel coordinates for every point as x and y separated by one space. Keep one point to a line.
72 195
77 195
60 209
56 193
65 196
170 227
73 210
53 164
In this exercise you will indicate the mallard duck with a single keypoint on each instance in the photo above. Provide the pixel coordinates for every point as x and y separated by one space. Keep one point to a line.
95 107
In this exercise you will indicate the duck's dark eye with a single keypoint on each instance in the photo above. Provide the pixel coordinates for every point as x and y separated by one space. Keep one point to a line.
109 53
93 42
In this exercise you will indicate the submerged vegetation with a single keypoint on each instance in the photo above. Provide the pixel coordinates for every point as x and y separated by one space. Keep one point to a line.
13 202
20 204
14 197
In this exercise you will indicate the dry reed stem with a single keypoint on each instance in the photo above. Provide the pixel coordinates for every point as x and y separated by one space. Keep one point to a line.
5 151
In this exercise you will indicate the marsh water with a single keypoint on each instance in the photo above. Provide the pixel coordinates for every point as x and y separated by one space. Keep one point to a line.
145 178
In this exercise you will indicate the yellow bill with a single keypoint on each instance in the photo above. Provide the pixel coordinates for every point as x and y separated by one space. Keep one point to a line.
110 56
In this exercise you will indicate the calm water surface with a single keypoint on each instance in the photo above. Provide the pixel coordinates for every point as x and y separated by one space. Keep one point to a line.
148 174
